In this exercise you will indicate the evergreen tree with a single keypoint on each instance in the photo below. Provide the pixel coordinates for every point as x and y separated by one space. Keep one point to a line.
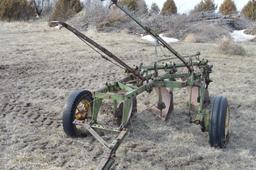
228 7
169 8
130 4
154 9
135 5
249 10
65 9
16 10
205 5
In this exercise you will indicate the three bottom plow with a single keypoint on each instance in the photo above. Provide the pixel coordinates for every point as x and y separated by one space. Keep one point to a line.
88 112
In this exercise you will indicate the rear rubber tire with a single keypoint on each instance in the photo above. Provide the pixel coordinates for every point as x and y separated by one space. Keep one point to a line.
69 111
219 122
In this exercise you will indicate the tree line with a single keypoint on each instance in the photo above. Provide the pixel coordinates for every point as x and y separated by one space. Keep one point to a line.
63 9
228 7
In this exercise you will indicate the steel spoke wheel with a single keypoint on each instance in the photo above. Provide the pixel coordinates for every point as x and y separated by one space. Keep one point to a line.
77 110
219 122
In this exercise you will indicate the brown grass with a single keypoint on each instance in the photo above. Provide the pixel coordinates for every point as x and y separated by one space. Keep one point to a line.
251 31
153 144
226 46
191 38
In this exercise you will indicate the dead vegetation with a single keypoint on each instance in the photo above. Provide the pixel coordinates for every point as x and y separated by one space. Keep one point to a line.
191 38
43 7
251 31
64 9
113 19
206 26
154 9
204 6
137 6
35 85
11 10
228 47
185 28
201 25
249 10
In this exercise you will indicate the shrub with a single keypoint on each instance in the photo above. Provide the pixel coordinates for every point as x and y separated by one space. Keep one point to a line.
95 12
130 4
249 10
169 8
191 38
251 31
226 46
202 32
154 10
135 5
142 7
205 5
113 19
42 7
16 10
65 9
228 7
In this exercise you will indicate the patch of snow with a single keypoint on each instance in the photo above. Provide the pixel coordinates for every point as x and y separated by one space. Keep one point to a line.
168 39
149 38
240 36
154 41
59 26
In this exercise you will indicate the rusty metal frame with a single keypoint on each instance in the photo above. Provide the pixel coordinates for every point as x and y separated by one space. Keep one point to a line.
144 79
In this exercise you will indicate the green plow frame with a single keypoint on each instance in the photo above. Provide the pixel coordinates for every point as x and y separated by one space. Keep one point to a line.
83 107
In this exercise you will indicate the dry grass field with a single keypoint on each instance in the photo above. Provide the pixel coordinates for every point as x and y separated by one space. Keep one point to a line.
40 66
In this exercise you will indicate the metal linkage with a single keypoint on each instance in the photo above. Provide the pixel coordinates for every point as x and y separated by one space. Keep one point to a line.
96 45
84 107
155 35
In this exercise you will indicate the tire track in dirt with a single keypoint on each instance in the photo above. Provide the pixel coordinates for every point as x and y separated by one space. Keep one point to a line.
38 71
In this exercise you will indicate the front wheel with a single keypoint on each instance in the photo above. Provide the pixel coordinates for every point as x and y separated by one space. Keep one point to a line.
219 122
77 109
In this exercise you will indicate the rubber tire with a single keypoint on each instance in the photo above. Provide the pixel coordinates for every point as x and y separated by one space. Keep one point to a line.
69 111
217 122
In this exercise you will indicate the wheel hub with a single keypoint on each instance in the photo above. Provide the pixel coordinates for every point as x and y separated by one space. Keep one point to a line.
82 110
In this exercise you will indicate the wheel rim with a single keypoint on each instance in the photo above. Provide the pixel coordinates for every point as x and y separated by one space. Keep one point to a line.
83 110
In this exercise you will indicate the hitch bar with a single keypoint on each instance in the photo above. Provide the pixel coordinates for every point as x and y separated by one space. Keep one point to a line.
96 45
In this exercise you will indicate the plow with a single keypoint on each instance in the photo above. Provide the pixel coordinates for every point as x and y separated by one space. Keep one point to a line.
84 108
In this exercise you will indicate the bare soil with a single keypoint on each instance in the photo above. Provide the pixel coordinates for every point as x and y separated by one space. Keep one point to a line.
40 66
